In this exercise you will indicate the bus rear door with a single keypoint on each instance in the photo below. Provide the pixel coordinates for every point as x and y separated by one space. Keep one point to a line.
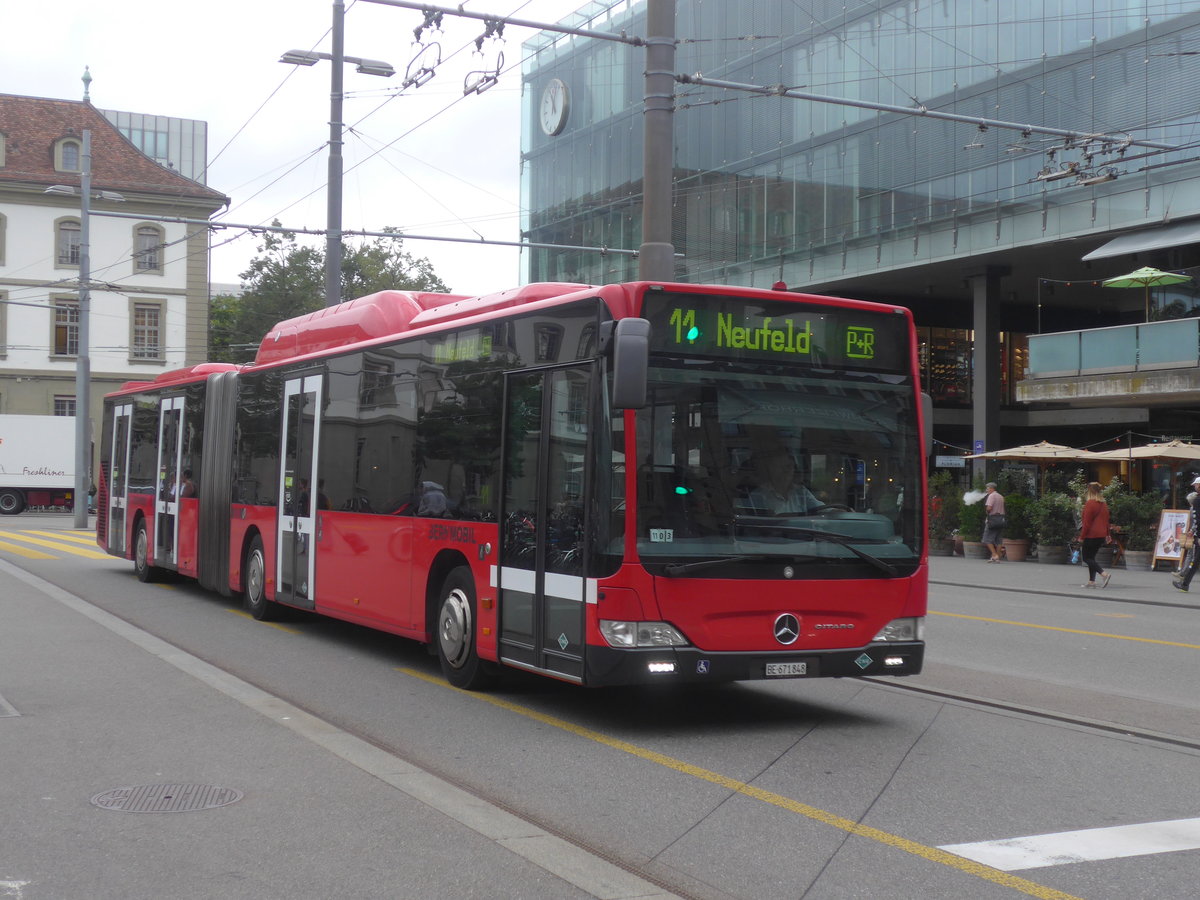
118 477
541 585
296 562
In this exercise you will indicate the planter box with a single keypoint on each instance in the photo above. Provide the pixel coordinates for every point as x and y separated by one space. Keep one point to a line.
1054 554
1139 559
941 547
975 550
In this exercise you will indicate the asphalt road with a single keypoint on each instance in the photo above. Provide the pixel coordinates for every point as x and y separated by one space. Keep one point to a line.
362 774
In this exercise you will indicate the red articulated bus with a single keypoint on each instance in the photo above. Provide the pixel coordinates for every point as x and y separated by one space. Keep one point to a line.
625 484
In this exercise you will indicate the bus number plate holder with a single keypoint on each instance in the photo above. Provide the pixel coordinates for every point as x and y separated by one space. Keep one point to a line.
788 669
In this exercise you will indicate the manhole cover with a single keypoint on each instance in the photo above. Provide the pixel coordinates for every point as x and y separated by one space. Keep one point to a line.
153 798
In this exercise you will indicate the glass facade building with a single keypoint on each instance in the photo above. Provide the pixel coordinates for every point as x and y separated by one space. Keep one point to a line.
949 218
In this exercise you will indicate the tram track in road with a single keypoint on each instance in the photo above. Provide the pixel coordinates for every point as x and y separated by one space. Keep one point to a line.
983 703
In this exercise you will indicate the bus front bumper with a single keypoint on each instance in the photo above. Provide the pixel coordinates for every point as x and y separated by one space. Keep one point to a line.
608 666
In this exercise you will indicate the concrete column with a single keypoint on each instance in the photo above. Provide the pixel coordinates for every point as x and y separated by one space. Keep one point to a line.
985 388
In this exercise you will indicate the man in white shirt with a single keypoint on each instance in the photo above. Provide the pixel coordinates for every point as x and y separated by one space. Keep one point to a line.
778 491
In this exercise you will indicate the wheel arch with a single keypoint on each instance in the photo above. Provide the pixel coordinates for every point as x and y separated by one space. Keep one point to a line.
443 564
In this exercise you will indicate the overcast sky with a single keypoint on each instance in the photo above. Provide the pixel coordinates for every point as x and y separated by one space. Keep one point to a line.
451 164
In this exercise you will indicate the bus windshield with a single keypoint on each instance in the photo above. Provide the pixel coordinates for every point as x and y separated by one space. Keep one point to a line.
748 467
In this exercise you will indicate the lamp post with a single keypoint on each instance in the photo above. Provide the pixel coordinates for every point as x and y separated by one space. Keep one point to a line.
333 238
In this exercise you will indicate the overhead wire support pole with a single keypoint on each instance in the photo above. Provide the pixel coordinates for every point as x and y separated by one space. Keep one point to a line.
83 364
780 90
333 240
657 259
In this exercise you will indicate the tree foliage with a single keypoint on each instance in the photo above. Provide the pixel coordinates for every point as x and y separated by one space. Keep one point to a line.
287 279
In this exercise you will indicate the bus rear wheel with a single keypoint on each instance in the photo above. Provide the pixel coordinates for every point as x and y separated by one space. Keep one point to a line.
455 631
141 555
254 583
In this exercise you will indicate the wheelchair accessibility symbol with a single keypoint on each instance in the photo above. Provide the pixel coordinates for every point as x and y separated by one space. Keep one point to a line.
703 666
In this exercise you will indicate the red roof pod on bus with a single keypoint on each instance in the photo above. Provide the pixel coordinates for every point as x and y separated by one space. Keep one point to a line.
372 316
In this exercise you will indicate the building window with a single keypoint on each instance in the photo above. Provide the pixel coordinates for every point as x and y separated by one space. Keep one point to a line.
145 342
3 320
3 231
64 405
3 141
67 154
67 241
147 248
66 327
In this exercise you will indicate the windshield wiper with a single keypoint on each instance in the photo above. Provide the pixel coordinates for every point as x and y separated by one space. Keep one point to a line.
848 542
681 568
832 537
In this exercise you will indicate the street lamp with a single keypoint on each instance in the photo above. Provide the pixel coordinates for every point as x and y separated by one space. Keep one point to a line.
333 238
82 360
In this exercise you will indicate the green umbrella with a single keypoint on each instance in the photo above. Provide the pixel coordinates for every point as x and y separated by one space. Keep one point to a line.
1146 277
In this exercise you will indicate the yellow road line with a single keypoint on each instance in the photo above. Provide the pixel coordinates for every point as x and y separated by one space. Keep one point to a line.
79 537
933 854
1115 637
61 548
25 551
276 626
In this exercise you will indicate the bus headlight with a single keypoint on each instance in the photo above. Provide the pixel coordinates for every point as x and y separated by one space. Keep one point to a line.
903 630
641 634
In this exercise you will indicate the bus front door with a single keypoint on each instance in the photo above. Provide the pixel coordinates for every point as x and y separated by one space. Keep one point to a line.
540 579
296 560
118 478
166 503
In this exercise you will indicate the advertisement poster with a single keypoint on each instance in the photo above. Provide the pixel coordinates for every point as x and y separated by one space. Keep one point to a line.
1171 525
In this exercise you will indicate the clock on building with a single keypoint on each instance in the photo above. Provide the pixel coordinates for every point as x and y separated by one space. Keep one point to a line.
555 105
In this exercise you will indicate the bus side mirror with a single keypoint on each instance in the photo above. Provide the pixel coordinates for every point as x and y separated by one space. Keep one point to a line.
631 362
927 421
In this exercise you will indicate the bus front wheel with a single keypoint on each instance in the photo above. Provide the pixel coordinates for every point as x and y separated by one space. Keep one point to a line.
455 632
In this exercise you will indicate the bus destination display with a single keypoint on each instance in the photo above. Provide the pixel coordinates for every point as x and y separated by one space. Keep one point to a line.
802 333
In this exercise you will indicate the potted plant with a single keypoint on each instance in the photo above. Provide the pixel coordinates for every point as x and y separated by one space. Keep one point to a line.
1053 518
944 506
1017 531
970 529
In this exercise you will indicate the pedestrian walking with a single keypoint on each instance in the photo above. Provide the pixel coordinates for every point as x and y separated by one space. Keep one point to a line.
993 529
1188 572
1093 533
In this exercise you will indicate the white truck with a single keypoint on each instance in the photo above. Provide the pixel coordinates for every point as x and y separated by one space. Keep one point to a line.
37 462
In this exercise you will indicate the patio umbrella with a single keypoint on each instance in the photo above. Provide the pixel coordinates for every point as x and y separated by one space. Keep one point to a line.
1041 450
1043 453
1177 451
1146 277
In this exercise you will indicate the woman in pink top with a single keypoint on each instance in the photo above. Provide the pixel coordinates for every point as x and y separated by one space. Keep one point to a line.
993 529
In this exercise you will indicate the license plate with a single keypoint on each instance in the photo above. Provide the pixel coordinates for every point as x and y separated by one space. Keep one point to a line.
787 670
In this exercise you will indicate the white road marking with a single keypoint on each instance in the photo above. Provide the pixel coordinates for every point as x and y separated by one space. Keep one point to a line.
1040 850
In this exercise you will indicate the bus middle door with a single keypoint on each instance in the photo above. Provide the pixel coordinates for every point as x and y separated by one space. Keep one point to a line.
166 502
297 535
541 583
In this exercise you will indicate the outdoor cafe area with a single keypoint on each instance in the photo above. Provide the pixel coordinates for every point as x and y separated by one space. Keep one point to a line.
1157 476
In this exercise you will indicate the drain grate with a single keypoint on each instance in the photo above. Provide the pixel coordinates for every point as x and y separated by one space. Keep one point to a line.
154 798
